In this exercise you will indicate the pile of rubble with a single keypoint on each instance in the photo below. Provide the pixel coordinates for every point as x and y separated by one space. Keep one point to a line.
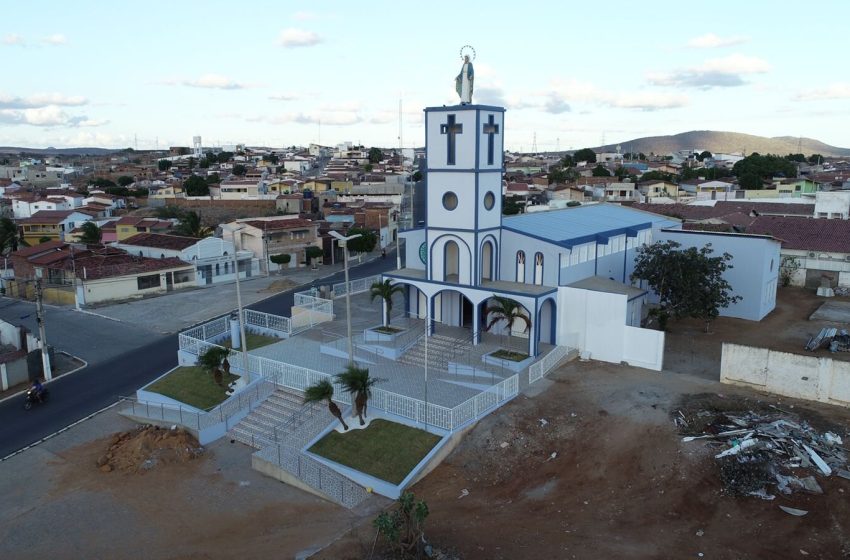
761 453
837 340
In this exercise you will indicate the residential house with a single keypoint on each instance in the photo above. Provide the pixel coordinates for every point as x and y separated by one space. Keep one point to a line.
129 226
274 235
658 189
239 189
212 257
832 204
50 225
708 189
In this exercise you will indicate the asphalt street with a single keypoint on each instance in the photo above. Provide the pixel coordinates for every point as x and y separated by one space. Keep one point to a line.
116 369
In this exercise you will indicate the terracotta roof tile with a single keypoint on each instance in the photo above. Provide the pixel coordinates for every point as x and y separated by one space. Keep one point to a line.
160 241
807 234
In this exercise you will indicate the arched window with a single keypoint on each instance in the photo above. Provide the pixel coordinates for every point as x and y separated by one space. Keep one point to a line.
487 261
520 266
452 263
538 269
217 269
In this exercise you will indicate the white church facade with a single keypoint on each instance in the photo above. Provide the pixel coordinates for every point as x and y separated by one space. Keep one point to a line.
569 269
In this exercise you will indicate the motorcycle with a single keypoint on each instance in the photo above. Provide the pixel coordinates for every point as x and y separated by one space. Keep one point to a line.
32 398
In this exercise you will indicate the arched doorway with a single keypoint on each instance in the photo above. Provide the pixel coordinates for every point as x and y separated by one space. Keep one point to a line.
487 261
546 322
453 309
451 264
520 266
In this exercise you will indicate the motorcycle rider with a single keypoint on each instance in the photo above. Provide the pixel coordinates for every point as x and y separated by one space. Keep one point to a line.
38 389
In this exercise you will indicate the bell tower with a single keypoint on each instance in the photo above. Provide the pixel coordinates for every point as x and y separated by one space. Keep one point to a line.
464 149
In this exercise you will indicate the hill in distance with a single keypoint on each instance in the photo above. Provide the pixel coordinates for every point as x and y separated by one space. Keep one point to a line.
57 151
726 142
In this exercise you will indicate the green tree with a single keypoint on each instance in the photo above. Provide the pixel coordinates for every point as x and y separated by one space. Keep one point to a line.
312 252
600 171
191 225
797 158
375 155
213 362
285 258
568 161
656 176
585 154
417 176
363 244
210 157
204 163
196 186
239 169
191 163
557 175
501 309
815 159
272 158
510 207
750 181
705 154
125 181
357 382
368 168
9 236
164 164
385 291
213 179
404 527
91 233
224 157
101 183
689 282
765 167
324 391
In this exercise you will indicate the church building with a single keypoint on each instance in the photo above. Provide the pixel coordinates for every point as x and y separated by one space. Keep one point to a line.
568 269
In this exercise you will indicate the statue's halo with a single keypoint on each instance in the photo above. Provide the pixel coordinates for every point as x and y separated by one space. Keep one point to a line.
464 50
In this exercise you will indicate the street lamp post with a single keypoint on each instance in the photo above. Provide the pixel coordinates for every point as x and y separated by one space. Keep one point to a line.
239 307
343 242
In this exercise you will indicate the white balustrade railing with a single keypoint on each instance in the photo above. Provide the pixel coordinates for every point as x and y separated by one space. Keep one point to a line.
268 321
357 286
540 368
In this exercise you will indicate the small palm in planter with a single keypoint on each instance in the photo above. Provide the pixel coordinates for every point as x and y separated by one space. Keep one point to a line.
356 381
385 291
509 311
324 391
212 361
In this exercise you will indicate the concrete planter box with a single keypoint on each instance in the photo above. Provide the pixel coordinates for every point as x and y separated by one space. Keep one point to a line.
371 335
507 364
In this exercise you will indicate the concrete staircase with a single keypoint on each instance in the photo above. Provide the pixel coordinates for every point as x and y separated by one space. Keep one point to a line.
267 422
440 351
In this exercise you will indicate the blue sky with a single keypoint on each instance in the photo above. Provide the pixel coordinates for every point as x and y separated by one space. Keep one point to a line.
282 73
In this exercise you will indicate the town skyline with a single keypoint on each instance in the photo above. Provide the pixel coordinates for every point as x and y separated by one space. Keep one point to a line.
85 75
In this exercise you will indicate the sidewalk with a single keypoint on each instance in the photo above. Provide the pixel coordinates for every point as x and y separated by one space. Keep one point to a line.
178 310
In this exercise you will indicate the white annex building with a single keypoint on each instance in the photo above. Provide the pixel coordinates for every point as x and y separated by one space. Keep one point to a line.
569 269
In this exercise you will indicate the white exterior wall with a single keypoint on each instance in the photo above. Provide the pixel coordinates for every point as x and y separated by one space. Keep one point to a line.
489 182
125 287
463 185
596 324
832 204
464 142
207 248
437 241
413 239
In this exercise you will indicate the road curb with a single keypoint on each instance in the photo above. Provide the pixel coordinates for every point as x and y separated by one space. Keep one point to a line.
19 393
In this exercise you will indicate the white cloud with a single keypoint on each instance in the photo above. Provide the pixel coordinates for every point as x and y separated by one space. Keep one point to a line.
13 39
330 118
712 41
294 37
55 40
833 91
51 115
285 96
304 16
556 105
209 81
728 71
649 101
40 100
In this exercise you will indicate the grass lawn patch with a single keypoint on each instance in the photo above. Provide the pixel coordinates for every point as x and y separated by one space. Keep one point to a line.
387 330
509 355
193 386
254 340
385 449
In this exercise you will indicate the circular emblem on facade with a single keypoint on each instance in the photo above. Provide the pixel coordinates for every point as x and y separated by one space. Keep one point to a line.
450 201
489 200
423 253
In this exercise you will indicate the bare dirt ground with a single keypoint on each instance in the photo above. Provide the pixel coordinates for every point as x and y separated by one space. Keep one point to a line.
622 485
787 328
58 501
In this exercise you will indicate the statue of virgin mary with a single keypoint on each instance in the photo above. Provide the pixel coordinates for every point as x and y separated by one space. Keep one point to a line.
463 82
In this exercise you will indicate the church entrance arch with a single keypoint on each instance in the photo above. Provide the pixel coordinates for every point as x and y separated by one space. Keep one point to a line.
453 309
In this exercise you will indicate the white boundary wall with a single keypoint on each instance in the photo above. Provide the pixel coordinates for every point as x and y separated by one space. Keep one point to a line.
596 324
792 375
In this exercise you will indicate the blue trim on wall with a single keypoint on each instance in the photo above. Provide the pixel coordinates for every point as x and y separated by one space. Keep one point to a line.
464 230
455 108
600 237
431 254
462 170
494 251
414 281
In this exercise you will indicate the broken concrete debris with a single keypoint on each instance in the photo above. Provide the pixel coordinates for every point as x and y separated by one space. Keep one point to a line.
759 450
836 340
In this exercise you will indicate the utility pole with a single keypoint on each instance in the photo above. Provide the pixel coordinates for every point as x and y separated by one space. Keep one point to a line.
39 313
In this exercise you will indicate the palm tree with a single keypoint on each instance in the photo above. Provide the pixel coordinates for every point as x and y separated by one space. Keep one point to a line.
508 310
9 236
212 361
357 382
324 391
385 291
91 233
191 225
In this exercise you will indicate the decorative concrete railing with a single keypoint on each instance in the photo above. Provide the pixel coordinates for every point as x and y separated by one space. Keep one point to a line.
540 368
355 286
275 323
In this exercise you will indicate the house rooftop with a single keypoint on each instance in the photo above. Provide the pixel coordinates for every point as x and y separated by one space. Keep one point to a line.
806 234
609 286
272 225
160 241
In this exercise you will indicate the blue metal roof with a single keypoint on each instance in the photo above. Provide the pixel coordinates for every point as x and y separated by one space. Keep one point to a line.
583 224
